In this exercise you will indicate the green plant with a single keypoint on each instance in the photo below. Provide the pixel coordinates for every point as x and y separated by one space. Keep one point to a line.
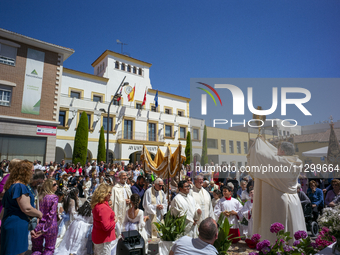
172 228
101 147
80 141
204 157
188 149
223 242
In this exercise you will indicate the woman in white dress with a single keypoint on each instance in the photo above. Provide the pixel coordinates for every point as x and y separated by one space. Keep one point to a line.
74 241
134 219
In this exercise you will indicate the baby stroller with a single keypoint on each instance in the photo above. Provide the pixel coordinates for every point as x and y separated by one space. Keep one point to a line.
311 224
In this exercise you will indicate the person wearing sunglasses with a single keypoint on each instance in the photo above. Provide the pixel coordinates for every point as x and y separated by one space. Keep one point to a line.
185 204
47 227
155 206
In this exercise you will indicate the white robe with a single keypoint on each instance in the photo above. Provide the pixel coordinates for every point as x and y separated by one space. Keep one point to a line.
247 213
87 185
150 209
228 205
203 199
74 241
275 195
185 204
120 192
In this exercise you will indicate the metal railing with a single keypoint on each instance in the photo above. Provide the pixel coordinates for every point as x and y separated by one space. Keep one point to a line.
139 136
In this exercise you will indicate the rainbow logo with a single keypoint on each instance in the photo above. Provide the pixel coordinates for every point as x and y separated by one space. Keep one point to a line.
209 93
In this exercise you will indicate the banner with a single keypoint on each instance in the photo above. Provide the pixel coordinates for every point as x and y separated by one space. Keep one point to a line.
33 82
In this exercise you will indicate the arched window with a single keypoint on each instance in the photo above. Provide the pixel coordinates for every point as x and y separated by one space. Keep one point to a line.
117 65
140 71
122 67
128 68
98 70
134 69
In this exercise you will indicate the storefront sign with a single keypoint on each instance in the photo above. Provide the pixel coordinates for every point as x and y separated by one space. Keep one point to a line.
46 130
140 148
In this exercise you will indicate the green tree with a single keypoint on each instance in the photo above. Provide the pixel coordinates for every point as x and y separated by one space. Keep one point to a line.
80 141
204 157
101 147
188 149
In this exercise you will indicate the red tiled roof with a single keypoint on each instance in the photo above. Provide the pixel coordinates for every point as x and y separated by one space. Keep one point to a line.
317 137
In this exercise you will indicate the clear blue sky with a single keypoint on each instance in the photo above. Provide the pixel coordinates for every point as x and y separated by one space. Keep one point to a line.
193 39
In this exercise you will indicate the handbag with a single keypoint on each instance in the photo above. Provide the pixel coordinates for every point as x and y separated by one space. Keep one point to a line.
32 224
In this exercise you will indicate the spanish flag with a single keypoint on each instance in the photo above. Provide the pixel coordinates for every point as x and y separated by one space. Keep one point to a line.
131 94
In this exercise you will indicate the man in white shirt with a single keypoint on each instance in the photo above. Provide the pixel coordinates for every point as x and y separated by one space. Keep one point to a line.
155 206
202 198
184 203
203 245
120 197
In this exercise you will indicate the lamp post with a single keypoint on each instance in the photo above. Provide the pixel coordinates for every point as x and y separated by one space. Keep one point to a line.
116 96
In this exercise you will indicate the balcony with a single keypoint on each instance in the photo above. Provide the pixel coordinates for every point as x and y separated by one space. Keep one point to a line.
140 138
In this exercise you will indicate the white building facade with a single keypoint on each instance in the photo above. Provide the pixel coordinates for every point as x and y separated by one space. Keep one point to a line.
131 124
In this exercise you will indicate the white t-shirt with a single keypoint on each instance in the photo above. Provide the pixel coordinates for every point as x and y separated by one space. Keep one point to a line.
192 246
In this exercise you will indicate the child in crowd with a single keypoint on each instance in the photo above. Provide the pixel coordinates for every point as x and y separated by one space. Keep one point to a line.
246 212
230 208
74 241
217 196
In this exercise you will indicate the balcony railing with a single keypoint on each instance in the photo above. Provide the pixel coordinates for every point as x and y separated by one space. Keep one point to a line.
139 136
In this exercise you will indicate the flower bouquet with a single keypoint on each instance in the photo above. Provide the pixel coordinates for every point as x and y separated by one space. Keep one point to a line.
330 219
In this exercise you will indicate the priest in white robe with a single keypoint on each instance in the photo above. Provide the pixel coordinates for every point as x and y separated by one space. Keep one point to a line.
120 197
155 206
202 198
275 188
184 203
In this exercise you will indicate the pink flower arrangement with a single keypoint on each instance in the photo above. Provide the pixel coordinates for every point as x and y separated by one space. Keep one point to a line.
276 227
324 239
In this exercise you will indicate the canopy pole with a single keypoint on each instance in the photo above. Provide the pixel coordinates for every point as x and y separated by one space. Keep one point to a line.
168 169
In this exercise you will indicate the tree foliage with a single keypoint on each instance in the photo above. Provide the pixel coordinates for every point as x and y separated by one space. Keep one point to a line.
204 157
188 149
101 147
81 140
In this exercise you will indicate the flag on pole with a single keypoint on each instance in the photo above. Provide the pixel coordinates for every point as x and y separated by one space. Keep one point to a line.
131 94
156 99
118 99
144 100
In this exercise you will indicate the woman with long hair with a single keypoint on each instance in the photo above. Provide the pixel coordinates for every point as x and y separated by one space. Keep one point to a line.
48 225
18 203
104 220
71 204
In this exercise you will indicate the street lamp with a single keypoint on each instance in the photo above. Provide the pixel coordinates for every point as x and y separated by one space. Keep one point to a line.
115 97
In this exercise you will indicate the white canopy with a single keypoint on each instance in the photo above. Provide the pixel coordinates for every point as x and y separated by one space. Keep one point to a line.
321 152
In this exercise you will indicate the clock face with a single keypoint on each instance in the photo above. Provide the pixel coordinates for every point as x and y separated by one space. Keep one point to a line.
128 89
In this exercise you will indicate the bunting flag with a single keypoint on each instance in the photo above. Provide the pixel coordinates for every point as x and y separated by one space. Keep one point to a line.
144 100
156 99
131 94
118 99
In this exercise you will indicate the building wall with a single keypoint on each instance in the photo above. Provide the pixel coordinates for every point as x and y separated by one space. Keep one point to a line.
307 146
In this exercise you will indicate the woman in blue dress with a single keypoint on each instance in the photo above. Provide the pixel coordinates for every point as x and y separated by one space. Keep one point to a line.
18 204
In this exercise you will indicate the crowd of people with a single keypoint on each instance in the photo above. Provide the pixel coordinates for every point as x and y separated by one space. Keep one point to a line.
64 208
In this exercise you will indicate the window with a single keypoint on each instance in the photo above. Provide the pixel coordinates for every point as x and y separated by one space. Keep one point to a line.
89 119
180 113
8 54
223 148
117 65
182 133
140 71
5 97
212 143
167 111
238 144
97 98
195 135
110 124
245 147
129 68
287 133
128 129
139 106
122 67
168 131
284 133
134 70
153 108
62 118
239 165
231 146
116 102
152 131
296 148
97 70
75 94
